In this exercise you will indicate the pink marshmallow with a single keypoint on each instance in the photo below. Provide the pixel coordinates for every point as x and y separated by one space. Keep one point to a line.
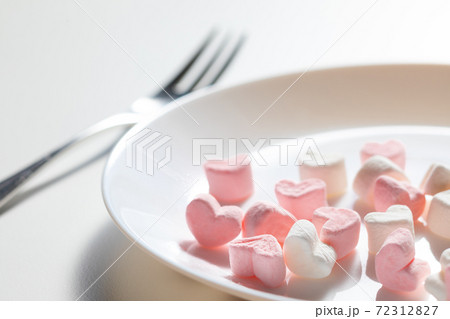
447 281
392 149
395 265
338 228
301 199
230 181
211 224
388 191
259 256
267 218
374 167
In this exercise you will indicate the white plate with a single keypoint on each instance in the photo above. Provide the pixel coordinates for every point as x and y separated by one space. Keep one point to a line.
328 105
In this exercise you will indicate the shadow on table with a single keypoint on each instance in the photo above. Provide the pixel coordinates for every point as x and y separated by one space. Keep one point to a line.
73 162
24 195
134 276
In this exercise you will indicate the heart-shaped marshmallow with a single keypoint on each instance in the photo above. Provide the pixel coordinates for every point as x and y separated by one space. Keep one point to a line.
374 167
301 199
333 173
388 191
338 228
380 225
305 254
438 218
211 224
230 181
438 284
392 149
395 265
267 218
259 256
436 180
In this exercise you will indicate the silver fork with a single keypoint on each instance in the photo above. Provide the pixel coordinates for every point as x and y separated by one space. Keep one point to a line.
11 185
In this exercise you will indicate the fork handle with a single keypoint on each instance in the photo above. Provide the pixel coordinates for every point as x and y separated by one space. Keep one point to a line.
10 186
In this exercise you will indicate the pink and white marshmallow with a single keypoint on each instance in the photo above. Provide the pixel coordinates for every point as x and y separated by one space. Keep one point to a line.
259 256
338 228
388 191
267 218
438 284
301 199
211 224
305 254
230 181
438 217
374 167
380 225
436 180
333 173
395 265
392 149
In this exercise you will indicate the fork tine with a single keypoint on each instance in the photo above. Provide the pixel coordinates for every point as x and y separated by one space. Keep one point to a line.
208 66
230 59
194 58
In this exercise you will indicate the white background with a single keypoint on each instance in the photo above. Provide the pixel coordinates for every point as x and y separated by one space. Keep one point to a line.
59 73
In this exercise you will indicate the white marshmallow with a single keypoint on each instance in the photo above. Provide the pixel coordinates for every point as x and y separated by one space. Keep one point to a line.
436 180
435 283
373 168
305 254
438 218
333 173
380 225
445 259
